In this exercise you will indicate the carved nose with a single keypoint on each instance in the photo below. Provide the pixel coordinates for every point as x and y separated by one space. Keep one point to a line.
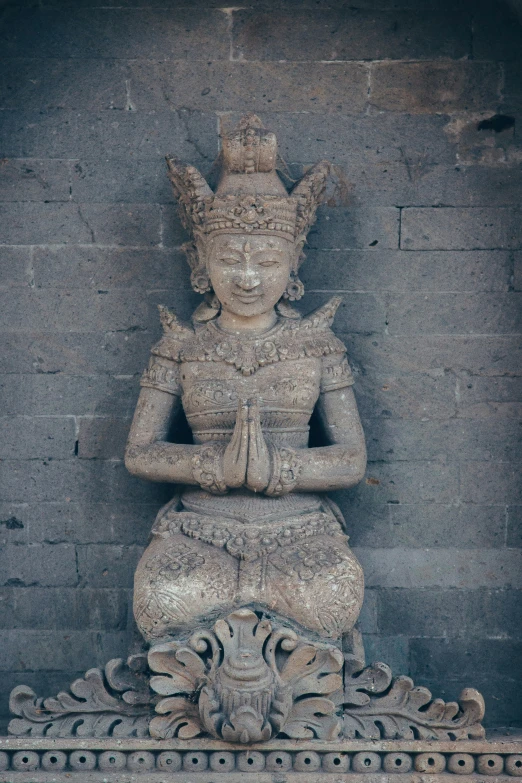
248 282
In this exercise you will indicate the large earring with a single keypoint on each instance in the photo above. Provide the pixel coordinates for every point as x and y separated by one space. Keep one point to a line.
294 288
200 280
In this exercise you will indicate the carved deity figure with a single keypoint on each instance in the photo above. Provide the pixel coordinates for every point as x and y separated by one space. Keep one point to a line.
248 582
251 526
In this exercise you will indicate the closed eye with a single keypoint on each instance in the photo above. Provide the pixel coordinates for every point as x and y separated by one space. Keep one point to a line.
268 262
230 260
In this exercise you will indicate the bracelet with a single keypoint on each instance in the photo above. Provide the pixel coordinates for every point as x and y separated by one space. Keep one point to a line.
286 468
207 469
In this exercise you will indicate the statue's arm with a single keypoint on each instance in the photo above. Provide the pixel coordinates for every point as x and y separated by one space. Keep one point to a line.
342 463
148 454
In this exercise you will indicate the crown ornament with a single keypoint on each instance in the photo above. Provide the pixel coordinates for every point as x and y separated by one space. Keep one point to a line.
250 196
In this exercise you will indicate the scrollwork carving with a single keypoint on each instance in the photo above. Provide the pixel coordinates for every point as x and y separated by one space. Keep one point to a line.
246 681
112 702
379 706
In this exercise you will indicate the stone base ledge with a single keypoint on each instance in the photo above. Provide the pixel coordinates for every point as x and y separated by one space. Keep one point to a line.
112 760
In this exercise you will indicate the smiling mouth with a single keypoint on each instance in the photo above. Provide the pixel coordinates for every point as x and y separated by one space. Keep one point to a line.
246 298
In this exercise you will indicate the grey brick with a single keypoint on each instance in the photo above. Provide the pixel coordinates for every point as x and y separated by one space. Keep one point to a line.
115 32
95 267
59 650
491 482
514 526
38 564
33 223
422 568
432 87
125 224
367 622
450 613
121 181
354 228
65 395
102 135
408 482
77 354
377 270
415 396
427 525
482 398
64 608
487 356
342 33
77 481
15 266
30 437
108 566
461 229
34 180
466 526
102 437
517 276
416 181
392 650
456 659
486 439
84 522
43 84
230 86
62 310
484 313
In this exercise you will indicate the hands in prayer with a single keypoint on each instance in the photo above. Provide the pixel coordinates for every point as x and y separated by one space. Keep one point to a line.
246 460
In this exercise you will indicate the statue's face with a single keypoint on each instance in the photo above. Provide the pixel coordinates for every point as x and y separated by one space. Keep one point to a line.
249 274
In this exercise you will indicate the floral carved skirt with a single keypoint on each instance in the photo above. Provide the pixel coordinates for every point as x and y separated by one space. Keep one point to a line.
200 566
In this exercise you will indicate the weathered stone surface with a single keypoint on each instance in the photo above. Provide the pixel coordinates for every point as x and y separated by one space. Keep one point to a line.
38 564
42 437
106 565
113 33
482 313
449 613
461 229
64 608
465 569
30 223
386 270
85 522
34 180
433 87
228 86
69 84
102 437
337 33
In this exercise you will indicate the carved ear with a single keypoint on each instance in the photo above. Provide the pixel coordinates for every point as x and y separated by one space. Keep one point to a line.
191 191
309 193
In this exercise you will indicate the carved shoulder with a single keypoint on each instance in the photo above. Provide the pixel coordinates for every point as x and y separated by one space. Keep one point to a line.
322 317
175 333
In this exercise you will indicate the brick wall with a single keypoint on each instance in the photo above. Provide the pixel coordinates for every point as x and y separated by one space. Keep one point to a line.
418 105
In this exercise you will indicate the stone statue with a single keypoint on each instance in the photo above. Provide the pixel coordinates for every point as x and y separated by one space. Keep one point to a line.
251 527
248 585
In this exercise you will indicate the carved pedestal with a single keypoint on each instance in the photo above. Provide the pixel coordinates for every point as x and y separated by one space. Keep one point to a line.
249 697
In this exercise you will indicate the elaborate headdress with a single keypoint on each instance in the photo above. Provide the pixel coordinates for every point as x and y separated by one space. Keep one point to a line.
250 196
